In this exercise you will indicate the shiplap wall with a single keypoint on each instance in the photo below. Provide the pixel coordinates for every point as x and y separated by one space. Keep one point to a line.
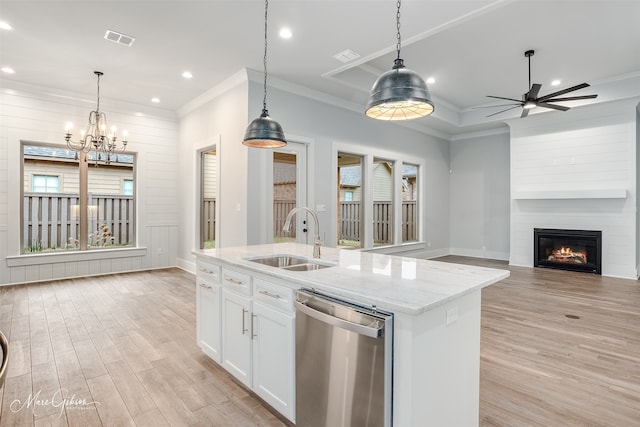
576 152
37 114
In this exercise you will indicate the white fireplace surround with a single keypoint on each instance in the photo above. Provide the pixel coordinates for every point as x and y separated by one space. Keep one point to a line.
577 170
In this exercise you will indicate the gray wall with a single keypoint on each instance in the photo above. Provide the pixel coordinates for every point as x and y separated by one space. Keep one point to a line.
480 196
325 125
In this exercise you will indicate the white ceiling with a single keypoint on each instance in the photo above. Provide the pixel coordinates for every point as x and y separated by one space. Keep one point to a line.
472 48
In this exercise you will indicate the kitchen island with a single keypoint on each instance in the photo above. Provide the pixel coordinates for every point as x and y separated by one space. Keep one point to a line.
436 309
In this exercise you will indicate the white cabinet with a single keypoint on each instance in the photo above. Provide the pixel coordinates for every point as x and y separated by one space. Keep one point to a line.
246 324
273 358
208 324
237 324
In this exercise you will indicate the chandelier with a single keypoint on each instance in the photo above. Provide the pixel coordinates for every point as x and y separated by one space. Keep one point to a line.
95 138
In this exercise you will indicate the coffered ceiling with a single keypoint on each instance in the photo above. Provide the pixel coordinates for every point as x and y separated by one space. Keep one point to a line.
471 48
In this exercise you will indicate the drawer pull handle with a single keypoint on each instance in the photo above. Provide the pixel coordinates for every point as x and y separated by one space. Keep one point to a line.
244 329
202 285
204 270
269 294
253 335
235 282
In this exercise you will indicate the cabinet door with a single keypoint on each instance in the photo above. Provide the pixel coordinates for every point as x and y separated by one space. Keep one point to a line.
273 358
208 324
236 335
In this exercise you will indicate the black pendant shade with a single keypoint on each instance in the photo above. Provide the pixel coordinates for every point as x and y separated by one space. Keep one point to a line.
264 132
399 94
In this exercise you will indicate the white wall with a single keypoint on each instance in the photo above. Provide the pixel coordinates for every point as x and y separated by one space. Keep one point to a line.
583 152
480 196
323 125
217 118
39 114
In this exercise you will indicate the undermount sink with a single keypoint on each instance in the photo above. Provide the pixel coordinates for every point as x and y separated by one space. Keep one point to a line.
290 262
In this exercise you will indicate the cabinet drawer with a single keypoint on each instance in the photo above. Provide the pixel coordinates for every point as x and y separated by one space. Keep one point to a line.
208 271
237 281
275 295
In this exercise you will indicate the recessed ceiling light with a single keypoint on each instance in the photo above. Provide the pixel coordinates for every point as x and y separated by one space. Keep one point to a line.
5 26
187 75
155 100
431 80
8 70
555 82
285 33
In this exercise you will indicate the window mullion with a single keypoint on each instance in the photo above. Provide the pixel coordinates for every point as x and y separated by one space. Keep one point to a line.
84 201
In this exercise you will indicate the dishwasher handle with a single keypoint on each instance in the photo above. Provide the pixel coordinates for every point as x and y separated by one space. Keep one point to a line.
340 323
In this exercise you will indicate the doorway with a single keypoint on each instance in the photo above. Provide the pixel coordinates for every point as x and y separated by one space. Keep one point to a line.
208 198
289 190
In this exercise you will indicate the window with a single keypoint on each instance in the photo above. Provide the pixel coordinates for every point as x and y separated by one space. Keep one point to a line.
382 182
45 184
127 187
409 203
378 198
350 227
57 215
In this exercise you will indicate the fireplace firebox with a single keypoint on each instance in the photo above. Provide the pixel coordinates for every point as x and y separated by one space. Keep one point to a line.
575 250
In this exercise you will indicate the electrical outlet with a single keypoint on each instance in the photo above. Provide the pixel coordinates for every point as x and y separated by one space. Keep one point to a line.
321 208
452 315
159 251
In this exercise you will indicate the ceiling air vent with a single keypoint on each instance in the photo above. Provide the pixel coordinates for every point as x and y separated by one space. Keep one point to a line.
119 38
346 55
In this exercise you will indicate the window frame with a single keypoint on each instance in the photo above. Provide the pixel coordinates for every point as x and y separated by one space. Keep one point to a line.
46 186
368 155
83 234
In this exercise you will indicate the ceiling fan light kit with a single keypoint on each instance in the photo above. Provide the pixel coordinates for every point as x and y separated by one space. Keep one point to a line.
531 100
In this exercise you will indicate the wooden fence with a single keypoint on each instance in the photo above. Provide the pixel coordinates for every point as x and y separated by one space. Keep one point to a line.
51 220
382 221
209 220
350 220
280 210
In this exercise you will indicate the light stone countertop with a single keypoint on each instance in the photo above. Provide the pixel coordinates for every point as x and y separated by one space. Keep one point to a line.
393 283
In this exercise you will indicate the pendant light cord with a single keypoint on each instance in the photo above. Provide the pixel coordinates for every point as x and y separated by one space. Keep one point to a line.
264 99
98 106
398 41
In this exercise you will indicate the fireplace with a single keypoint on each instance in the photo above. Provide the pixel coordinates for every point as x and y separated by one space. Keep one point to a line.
575 250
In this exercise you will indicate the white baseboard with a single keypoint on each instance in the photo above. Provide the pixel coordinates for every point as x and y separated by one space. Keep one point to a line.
188 266
475 253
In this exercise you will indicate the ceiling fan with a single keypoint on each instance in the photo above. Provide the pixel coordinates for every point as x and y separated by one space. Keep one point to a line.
531 100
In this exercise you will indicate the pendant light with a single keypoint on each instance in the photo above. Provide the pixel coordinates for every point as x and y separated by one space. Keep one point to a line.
264 132
399 94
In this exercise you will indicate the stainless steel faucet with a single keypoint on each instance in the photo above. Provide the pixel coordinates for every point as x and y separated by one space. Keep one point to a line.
316 237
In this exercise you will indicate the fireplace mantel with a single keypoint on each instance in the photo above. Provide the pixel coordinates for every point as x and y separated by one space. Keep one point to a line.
603 193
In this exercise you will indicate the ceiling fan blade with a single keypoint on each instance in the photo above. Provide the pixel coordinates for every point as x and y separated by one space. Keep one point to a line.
508 99
571 98
525 112
552 106
535 88
503 111
494 106
562 92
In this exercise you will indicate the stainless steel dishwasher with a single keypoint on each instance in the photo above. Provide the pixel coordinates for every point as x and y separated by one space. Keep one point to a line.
344 355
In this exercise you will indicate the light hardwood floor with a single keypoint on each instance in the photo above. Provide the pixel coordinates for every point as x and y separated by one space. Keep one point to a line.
127 342
540 366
